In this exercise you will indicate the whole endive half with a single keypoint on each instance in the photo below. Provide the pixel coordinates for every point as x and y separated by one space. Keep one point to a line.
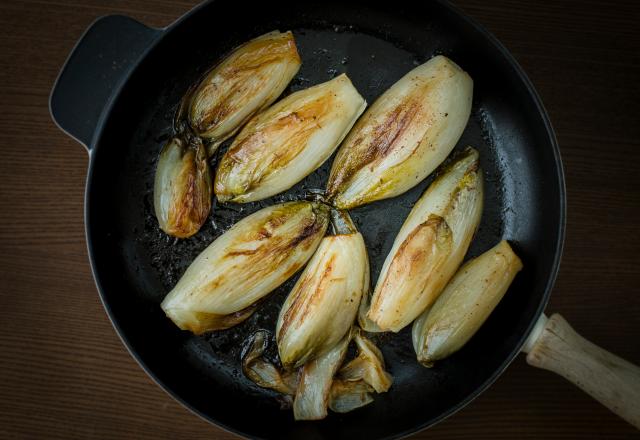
246 81
430 245
223 284
182 187
465 304
323 304
316 378
288 141
404 136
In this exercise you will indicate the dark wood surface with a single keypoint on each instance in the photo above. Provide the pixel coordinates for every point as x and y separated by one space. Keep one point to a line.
64 372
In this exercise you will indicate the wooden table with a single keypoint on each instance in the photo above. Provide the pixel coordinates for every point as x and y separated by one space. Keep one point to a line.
64 372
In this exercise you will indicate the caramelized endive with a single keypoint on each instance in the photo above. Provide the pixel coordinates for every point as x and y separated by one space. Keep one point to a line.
403 136
249 79
288 141
223 284
182 188
323 304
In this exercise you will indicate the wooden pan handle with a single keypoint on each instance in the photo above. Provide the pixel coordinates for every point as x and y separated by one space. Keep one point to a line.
614 382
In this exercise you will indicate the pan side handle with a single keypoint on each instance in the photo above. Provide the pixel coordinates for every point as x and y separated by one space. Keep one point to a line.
614 382
99 63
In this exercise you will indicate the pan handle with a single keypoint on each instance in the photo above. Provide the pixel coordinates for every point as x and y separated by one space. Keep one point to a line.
555 346
97 66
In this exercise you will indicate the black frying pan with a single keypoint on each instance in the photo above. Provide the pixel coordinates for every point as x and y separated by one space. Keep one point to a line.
117 95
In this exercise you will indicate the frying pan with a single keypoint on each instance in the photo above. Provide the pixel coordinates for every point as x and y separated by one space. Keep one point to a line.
117 95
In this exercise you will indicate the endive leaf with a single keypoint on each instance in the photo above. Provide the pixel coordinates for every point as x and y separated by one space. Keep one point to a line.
316 377
347 395
404 135
430 245
367 366
262 372
465 304
285 143
246 81
246 263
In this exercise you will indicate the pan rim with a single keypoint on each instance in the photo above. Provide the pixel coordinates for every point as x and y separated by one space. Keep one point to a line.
551 278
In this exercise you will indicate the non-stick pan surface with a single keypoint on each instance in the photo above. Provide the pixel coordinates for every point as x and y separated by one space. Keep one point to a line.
135 264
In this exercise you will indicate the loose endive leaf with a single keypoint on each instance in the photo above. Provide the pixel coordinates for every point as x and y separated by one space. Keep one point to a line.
246 81
347 395
323 304
363 320
464 304
262 372
244 264
367 366
182 188
404 136
316 377
285 143
430 245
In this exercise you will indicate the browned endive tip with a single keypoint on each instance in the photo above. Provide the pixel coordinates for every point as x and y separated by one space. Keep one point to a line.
283 144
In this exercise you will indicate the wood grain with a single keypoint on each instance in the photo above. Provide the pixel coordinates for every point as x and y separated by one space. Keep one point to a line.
64 372
608 378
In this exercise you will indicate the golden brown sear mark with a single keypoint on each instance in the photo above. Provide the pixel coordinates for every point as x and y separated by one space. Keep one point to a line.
299 308
187 216
383 141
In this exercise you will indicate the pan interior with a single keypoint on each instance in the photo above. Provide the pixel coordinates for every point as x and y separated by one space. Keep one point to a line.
136 264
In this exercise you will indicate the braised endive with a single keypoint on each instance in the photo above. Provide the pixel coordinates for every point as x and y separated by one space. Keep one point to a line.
223 284
323 304
430 245
465 304
404 136
285 143
182 188
346 396
246 81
